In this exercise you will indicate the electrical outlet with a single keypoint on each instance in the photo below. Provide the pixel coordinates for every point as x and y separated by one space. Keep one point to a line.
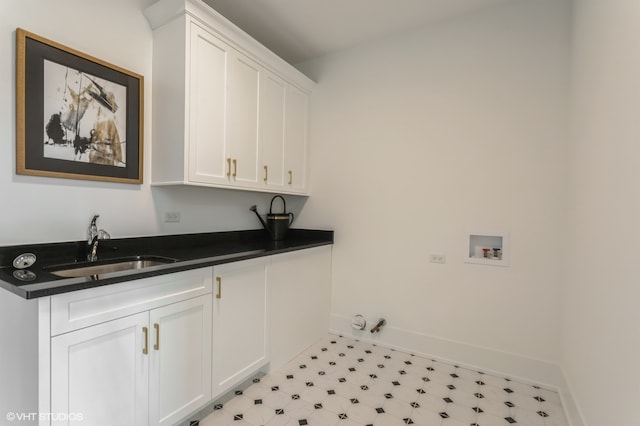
437 258
172 216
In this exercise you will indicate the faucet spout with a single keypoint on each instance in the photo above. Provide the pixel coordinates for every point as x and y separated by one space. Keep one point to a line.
92 231
94 235
93 250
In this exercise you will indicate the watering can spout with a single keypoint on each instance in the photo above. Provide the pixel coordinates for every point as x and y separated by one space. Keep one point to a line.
264 224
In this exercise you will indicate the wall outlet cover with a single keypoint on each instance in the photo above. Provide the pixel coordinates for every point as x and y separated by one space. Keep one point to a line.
172 216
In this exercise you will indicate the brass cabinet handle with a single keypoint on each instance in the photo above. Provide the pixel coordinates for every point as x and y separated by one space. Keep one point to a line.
228 167
219 293
290 177
235 167
266 173
157 345
145 331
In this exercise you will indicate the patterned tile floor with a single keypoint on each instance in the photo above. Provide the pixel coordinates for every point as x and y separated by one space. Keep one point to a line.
344 382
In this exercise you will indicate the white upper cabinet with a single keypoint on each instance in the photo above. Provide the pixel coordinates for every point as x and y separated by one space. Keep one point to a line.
272 116
284 113
243 120
295 139
227 112
207 112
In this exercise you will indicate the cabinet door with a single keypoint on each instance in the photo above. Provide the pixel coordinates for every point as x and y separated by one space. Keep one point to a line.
244 95
240 337
101 374
207 103
272 104
300 285
295 139
180 359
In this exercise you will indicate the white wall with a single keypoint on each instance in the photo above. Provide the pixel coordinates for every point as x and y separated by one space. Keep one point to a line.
601 344
39 209
43 209
459 127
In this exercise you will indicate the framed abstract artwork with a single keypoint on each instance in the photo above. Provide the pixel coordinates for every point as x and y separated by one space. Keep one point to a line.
77 117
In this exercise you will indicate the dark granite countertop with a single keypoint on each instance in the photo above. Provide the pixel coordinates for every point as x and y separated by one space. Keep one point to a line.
184 252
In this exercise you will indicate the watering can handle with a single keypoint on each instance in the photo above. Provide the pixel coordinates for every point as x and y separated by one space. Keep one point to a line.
284 205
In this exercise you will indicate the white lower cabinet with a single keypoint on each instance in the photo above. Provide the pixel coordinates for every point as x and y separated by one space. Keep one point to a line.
156 350
300 288
150 368
100 374
180 360
240 325
135 353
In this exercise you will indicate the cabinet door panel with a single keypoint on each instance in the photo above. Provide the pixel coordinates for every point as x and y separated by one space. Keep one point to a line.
244 88
300 285
272 130
180 349
207 108
239 322
295 136
101 373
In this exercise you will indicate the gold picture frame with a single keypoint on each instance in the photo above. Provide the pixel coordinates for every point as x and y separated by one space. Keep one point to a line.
77 117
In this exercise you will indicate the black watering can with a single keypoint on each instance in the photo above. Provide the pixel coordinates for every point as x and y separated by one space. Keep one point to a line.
277 224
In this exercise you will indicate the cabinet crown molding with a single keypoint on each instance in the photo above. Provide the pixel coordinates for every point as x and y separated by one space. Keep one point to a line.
164 11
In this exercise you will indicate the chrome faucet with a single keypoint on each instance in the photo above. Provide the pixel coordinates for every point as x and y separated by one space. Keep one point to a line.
94 235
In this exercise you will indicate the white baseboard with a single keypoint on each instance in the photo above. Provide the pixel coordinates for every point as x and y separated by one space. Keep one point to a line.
571 408
513 366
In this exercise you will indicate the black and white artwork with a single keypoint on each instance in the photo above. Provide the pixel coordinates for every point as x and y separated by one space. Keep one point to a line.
77 116
84 117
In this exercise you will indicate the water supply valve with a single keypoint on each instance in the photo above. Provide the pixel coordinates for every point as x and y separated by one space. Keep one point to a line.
379 325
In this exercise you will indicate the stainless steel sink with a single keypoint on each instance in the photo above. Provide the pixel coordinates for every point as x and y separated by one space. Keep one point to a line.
86 269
